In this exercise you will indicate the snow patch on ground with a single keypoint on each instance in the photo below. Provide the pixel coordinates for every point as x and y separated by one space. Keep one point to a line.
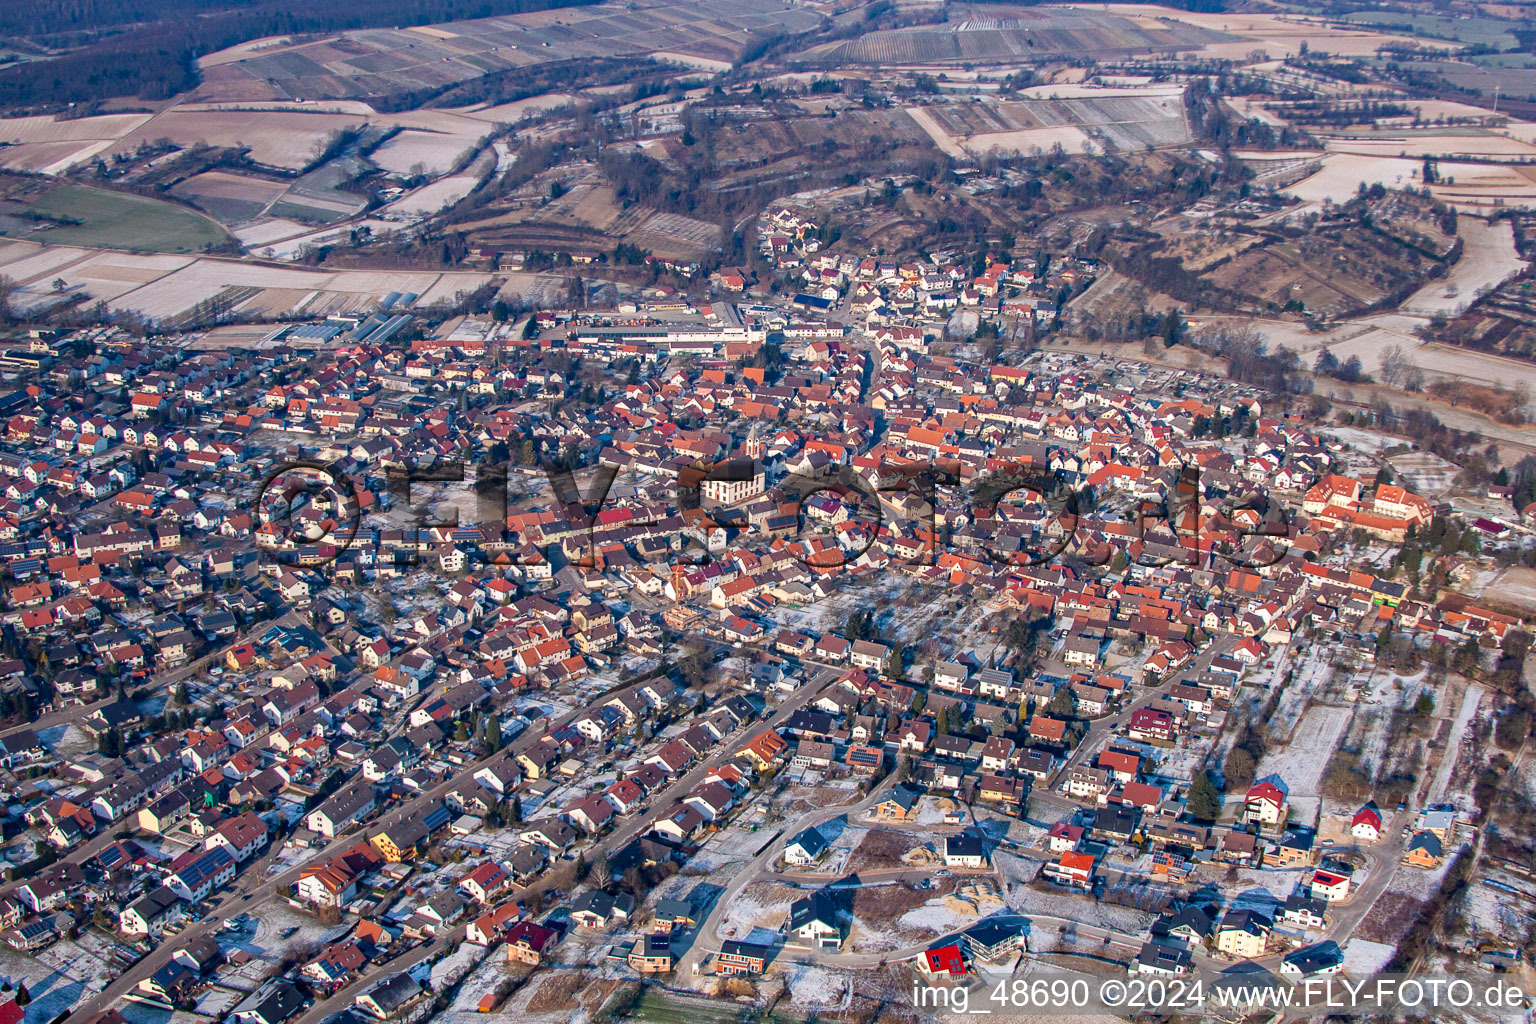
1470 700
936 916
812 986
746 913
447 971
1419 883
1363 958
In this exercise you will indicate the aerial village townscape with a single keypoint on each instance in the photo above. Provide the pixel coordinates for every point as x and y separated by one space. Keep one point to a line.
816 510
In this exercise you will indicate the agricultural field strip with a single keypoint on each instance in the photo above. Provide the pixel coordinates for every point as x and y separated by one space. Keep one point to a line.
164 286
400 60
1124 118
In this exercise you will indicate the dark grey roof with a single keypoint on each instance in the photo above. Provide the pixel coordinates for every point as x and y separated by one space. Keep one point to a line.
281 1002
1164 956
1193 917
1317 957
809 840
964 846
818 906
394 991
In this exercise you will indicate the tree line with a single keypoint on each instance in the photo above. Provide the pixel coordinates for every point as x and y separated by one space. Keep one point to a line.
149 48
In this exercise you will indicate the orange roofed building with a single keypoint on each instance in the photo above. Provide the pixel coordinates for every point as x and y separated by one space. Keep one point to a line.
763 749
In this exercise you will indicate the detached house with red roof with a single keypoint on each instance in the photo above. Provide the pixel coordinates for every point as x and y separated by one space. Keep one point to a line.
1366 824
763 749
1265 804
485 882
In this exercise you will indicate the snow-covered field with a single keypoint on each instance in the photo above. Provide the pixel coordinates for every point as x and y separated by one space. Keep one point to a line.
1083 911
60 976
814 986
481 981
1488 258
1340 176
1363 958
1447 763
275 917
1300 763
1494 913
1419 883
758 905
1261 893
456 965
939 916
429 199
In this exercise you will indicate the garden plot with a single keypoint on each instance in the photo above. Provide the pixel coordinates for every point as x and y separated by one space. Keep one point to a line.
562 995
1266 890
216 1001
447 971
843 841
932 809
701 895
799 799
1516 585
288 856
70 741
1374 731
1309 676
57 978
1495 913
1420 883
718 867
487 976
1177 764
673 236
736 843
